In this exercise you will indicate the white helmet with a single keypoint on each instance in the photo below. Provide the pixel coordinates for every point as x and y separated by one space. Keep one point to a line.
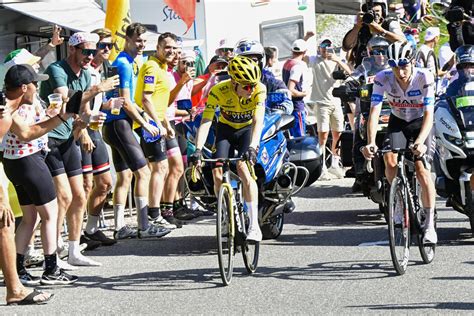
400 53
249 47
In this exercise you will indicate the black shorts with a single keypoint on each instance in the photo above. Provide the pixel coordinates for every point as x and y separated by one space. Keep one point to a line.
400 131
126 151
182 140
229 139
96 162
32 179
64 157
161 149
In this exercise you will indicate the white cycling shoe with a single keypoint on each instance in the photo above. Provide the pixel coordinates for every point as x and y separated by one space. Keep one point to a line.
430 236
254 234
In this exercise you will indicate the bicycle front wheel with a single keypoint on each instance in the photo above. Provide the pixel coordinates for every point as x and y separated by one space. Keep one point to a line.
225 233
399 226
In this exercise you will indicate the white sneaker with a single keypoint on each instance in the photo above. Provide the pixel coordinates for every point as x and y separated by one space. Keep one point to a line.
338 172
64 265
153 231
254 234
325 176
430 236
161 222
82 260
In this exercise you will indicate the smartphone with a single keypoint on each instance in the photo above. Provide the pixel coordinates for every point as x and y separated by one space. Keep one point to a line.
112 71
330 50
74 103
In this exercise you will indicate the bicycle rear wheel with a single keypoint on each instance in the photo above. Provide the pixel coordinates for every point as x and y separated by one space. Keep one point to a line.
250 251
225 233
399 226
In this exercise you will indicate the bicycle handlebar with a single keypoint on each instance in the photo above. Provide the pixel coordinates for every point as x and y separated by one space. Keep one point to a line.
223 160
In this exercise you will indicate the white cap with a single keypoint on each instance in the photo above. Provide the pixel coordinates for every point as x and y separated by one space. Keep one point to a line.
20 56
224 43
431 33
188 54
83 37
299 46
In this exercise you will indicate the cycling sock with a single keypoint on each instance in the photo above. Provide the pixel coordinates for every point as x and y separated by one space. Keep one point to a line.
92 224
252 208
141 204
119 216
20 263
178 203
166 209
74 249
50 262
429 211
153 212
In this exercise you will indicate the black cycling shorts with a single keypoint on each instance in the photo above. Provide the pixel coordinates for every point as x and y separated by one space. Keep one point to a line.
64 157
96 162
182 140
161 149
31 178
400 131
229 139
126 151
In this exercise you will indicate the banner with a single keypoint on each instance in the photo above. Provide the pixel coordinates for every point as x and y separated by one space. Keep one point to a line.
186 9
117 18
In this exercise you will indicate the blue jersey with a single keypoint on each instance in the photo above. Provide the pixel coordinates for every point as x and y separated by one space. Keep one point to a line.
127 70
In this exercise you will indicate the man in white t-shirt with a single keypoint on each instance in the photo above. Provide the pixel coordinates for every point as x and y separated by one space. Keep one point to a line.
425 57
328 109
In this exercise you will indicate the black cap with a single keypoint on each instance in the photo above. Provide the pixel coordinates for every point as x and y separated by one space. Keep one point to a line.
19 75
218 59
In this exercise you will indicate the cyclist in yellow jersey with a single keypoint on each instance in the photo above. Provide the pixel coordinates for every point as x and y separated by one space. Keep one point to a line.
241 101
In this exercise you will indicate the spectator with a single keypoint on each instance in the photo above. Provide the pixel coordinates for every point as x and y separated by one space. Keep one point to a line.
357 38
95 157
225 49
127 154
328 109
153 95
425 56
271 54
16 293
64 158
293 71
24 164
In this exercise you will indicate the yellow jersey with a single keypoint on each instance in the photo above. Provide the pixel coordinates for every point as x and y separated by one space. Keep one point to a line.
235 111
153 77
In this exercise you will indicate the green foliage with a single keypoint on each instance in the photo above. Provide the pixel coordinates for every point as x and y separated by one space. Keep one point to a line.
324 22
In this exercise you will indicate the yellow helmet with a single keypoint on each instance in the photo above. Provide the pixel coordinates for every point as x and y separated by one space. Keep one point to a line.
244 70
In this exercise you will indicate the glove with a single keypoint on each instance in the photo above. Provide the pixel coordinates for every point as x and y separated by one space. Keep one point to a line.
196 157
251 155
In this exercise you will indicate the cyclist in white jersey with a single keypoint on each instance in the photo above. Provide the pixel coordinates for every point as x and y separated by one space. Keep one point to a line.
410 93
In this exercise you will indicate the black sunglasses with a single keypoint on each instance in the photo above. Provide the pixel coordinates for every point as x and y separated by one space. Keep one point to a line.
104 45
88 52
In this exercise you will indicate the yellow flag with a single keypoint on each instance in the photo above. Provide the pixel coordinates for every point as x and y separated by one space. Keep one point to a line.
117 18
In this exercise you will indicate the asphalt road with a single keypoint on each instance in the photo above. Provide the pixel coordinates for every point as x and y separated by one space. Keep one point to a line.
332 257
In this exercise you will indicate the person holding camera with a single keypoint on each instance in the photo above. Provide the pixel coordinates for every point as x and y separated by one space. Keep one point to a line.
372 21
461 23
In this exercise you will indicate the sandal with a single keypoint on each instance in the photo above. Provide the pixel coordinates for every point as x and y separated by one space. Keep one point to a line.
29 299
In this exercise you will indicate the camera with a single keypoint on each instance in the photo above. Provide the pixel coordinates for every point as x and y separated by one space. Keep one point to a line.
189 64
368 17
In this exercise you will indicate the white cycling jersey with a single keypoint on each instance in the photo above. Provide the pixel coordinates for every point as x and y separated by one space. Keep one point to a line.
410 104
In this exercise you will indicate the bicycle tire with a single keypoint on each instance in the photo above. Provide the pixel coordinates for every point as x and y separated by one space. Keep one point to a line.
250 251
399 227
225 233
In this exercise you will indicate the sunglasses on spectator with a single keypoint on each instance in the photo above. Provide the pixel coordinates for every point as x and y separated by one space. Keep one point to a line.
248 87
88 52
227 50
325 45
104 45
401 62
